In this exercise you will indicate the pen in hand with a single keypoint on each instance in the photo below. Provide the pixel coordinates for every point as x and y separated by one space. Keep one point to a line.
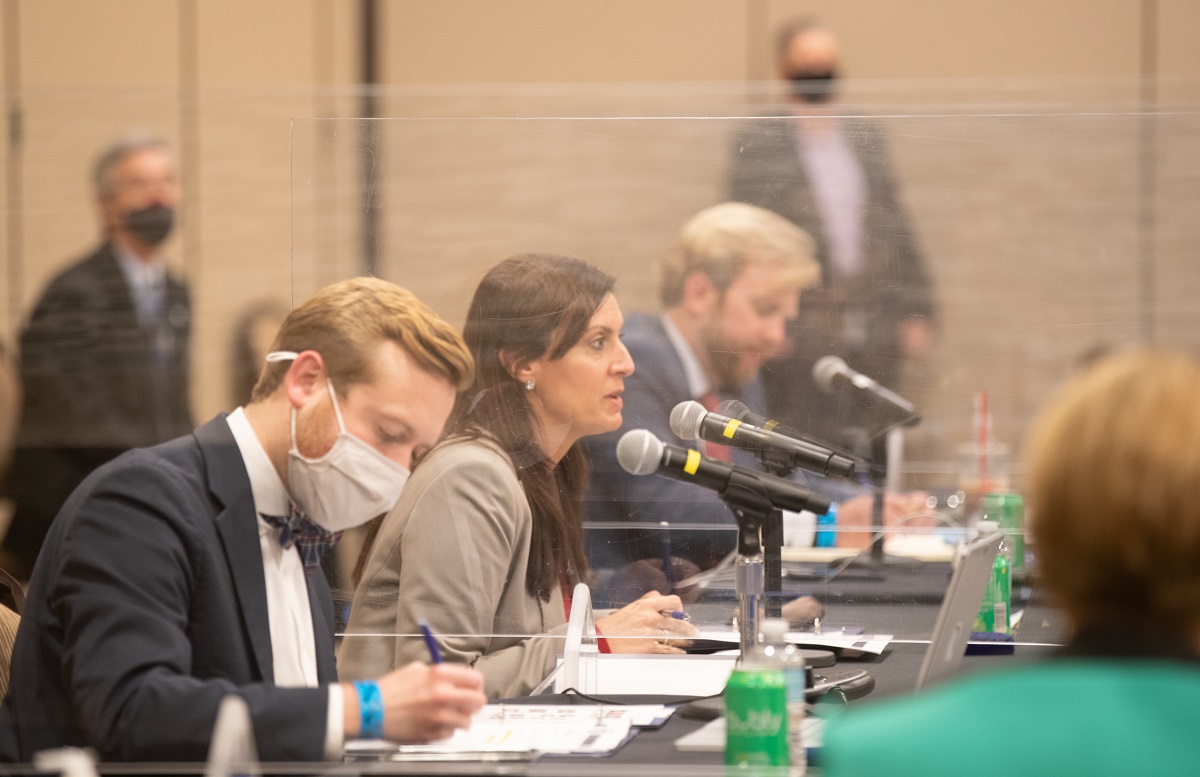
435 655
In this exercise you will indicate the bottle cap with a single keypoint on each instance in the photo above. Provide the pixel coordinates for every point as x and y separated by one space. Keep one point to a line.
774 629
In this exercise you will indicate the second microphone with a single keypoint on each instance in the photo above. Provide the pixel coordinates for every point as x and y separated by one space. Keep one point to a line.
690 421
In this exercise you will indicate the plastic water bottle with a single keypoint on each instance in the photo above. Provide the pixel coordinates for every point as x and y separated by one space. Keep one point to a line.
776 649
826 536
1008 511
996 608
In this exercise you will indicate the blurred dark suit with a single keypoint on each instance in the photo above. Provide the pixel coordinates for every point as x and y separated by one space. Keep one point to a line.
96 381
149 606
857 317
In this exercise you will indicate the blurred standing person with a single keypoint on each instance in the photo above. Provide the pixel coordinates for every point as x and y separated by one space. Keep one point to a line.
104 354
829 173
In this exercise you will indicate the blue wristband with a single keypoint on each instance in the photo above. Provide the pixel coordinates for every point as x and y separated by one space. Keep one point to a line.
370 709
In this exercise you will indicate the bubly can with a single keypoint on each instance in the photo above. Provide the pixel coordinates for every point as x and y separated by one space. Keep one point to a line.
756 732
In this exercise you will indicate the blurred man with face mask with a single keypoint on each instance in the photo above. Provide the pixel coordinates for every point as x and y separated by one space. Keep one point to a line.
104 354
177 575
828 173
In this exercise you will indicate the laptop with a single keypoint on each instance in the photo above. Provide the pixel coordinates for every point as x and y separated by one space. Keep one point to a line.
952 631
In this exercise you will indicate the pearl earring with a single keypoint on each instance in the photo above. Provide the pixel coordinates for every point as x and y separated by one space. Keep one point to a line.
529 385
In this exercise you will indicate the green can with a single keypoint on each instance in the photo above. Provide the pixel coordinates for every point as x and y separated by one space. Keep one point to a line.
756 718
1008 511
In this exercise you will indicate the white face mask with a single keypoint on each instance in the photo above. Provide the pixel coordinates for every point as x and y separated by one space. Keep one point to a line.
349 485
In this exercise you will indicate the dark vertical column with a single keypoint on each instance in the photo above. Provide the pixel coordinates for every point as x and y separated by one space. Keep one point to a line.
189 134
369 137
1148 172
14 243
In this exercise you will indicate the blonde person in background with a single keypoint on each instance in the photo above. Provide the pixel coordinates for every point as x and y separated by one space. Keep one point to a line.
1114 463
486 542
733 279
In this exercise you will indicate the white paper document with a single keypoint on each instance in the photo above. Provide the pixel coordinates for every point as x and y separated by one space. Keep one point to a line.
831 639
673 675
532 729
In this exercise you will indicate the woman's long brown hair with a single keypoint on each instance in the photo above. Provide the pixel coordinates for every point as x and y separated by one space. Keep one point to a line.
527 307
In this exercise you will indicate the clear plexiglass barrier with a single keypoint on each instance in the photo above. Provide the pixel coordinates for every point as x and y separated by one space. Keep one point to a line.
976 250
966 247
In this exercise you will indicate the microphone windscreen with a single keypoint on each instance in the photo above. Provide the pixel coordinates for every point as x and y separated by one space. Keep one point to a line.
824 371
733 408
639 452
685 419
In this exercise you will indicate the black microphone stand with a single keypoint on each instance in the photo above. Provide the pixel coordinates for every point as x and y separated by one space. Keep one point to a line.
751 506
879 463
772 547
874 453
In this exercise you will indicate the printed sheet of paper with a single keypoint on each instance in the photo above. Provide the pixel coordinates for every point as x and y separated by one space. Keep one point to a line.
534 728
831 639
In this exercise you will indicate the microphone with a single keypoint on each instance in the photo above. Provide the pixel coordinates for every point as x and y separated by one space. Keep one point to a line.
832 374
639 452
778 452
735 408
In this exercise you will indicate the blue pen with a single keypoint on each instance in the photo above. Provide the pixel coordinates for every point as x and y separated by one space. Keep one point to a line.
435 655
666 556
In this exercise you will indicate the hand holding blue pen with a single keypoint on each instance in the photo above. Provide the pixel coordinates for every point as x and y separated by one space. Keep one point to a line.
435 655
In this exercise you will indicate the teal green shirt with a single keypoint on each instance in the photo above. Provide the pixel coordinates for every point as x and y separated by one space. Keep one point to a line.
1066 716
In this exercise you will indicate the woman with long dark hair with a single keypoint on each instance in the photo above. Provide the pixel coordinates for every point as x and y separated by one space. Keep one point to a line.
486 542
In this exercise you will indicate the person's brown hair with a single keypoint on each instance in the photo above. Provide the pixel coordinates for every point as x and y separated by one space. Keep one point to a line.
1114 465
346 321
722 240
526 307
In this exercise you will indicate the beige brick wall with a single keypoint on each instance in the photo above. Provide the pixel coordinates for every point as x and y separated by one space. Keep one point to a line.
1029 218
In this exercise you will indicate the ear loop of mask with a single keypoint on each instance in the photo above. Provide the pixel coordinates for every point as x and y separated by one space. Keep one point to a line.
287 356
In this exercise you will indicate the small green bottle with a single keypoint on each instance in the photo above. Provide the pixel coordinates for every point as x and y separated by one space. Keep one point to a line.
995 611
1008 511
756 717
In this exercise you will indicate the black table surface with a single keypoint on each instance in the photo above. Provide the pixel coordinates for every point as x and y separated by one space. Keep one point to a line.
900 599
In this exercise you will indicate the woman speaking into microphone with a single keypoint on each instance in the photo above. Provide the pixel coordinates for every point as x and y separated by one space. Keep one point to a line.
486 543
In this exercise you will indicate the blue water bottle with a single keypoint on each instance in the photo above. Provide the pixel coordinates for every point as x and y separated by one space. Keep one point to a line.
826 535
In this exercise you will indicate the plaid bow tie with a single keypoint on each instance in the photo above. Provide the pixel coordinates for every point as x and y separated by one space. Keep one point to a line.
311 540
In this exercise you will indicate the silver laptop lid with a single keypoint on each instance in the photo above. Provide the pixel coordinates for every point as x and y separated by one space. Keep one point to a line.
952 630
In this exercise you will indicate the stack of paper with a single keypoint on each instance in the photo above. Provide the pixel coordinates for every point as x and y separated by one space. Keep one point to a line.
531 729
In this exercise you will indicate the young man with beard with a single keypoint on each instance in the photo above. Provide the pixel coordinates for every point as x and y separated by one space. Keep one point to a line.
728 288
